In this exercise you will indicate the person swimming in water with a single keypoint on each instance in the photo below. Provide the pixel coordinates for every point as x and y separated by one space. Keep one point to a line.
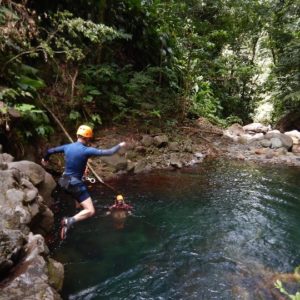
119 211
120 205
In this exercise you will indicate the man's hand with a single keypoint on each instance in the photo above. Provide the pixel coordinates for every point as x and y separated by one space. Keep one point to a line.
44 162
122 144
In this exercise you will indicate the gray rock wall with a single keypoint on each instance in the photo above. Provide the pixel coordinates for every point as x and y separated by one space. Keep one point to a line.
26 271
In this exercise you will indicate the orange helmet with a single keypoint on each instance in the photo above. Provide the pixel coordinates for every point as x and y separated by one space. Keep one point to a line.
120 198
85 131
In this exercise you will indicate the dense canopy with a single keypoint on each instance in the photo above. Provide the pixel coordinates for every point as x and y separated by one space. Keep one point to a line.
104 62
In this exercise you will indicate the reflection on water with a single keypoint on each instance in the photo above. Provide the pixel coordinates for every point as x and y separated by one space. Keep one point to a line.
218 231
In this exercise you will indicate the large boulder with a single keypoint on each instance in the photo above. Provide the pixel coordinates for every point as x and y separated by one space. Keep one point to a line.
46 187
20 207
47 220
33 272
161 141
140 167
7 181
234 130
276 143
55 274
265 143
12 211
15 197
250 138
35 172
295 135
6 158
30 195
296 149
286 141
256 128
274 131
117 162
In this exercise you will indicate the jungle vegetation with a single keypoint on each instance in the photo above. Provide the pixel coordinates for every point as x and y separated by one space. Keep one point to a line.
109 62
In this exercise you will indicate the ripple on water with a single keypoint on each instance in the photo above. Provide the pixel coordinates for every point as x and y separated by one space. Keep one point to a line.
219 231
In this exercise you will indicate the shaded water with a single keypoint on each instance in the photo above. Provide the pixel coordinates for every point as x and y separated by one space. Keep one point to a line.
221 230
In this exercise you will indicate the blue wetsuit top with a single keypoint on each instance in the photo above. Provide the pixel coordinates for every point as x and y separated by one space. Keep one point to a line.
77 155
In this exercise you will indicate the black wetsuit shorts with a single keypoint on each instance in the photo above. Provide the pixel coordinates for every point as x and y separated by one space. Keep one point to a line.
75 187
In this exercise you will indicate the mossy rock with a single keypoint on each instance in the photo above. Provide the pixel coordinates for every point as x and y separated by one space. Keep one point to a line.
55 274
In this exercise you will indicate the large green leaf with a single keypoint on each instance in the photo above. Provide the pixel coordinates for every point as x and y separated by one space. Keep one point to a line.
26 83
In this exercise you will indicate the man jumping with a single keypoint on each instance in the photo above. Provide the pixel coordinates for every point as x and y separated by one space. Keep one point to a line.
76 158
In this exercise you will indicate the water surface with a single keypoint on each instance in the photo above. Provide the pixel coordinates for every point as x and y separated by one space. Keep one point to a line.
221 230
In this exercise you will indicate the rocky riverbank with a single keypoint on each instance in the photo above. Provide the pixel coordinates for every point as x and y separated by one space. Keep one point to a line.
26 270
157 149
258 143
191 144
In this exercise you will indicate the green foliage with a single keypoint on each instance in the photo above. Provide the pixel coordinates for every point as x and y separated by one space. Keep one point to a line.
24 40
70 34
204 103
34 120
156 113
74 115
29 84
278 284
103 61
7 14
10 94
287 97
96 119
284 42
124 93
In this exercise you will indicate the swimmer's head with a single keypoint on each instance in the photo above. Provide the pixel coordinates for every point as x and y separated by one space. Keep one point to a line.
120 199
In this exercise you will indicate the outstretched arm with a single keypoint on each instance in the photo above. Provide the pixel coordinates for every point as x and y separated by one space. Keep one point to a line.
51 151
105 152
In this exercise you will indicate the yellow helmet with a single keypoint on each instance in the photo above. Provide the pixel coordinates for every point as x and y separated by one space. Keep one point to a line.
120 198
85 131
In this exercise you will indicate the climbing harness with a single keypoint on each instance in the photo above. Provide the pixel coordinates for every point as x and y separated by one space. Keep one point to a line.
90 179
